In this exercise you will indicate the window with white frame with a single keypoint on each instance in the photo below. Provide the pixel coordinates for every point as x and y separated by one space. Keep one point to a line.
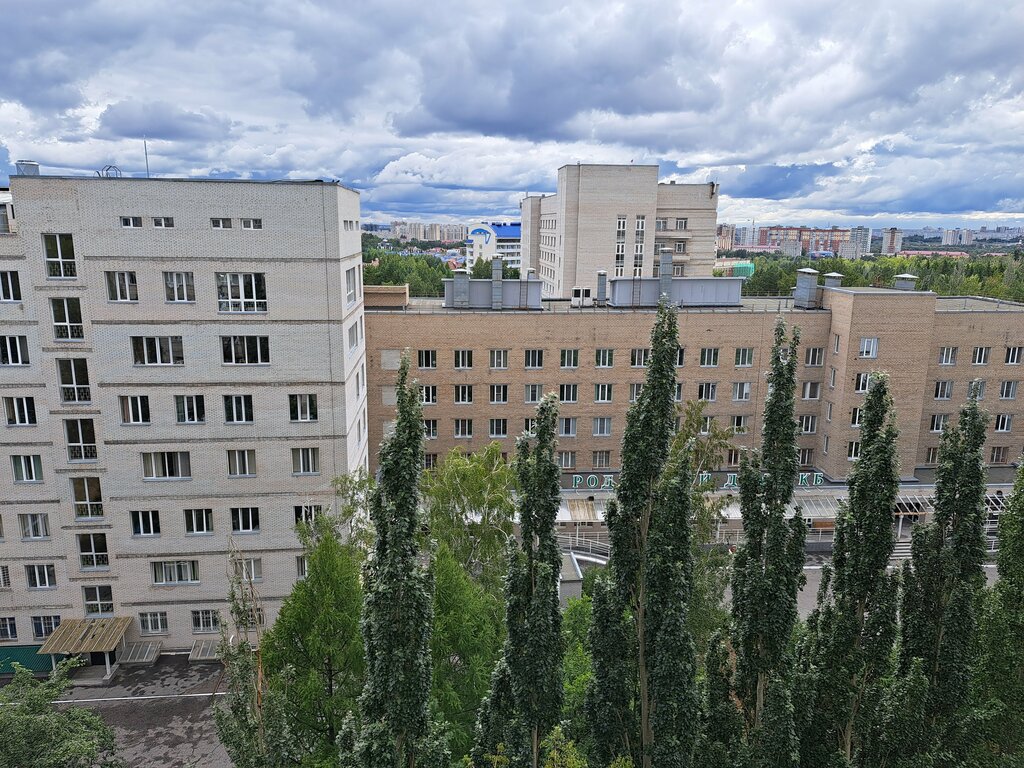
87 497
305 461
530 426
302 562
131 222
179 287
806 457
238 409
602 393
353 285
302 407
741 391
824 445
27 468
428 394
190 409
835 343
198 522
939 422
533 393
679 392
604 358
828 411
999 455
602 426
92 551
153 623
709 357
10 286
569 358
739 424
163 222
34 525
157 350
122 287
134 409
175 571
20 411
98 600
499 428
947 355
732 457
639 357
856 416
167 465
73 374
41 576
463 393
744 357
1014 355
498 359
499 394
8 628
248 569
601 459
242 462
145 522
252 223
1008 390
568 393
567 459
307 513
241 292
14 350
60 256
245 519
430 429
205 621
811 390
534 358
981 355
245 350
814 357
426 358
567 426
67 319
220 223
832 378
1003 422
463 358
868 348
44 626
464 428
861 382
707 390
943 390
853 450
808 424
81 439
977 388
706 424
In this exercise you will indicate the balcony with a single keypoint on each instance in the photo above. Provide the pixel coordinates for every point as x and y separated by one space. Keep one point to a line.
71 395
61 269
95 561
69 332
83 452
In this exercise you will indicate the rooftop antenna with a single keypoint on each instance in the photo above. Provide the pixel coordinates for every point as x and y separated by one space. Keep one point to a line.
145 148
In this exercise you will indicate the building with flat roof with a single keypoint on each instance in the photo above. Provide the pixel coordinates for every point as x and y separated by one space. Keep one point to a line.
807 239
182 373
892 241
617 218
487 241
858 245
485 386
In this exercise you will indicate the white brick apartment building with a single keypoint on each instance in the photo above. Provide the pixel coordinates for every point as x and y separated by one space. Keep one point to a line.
617 218
182 373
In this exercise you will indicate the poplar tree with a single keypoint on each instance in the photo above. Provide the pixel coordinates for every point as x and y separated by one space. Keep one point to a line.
651 570
397 604
768 568
526 697
942 584
851 633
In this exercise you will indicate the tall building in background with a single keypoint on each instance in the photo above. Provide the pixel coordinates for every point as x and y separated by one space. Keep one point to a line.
617 218
726 237
485 241
183 375
810 239
858 245
892 241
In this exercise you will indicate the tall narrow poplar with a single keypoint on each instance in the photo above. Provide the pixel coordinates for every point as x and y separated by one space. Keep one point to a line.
397 607
852 631
768 569
526 697
651 568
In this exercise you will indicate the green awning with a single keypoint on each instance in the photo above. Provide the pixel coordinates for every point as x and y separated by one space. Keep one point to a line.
26 655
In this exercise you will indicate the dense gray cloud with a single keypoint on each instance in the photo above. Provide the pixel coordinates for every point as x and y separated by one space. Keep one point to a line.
826 112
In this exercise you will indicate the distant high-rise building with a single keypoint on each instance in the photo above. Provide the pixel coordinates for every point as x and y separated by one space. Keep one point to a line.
892 241
617 218
811 239
957 236
726 239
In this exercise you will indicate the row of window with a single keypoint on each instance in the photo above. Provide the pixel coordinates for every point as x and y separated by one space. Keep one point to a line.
156 465
99 601
167 222
639 357
1007 389
601 426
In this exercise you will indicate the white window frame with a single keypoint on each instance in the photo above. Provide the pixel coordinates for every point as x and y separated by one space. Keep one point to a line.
157 350
134 409
20 411
220 223
40 576
1003 422
603 393
238 405
639 357
190 409
463 359
499 394
498 359
245 520
27 468
61 267
428 394
252 224
87 505
179 288
568 358
306 461
533 359
241 293
948 355
707 391
303 407
163 222
1014 355
10 285
811 390
35 526
80 435
709 357
814 357
426 359
981 355
145 523
163 466
744 357
73 378
65 325
567 426
498 428
430 429
808 424
122 287
205 621
741 391
96 602
1008 390
533 393
868 349
463 394
198 521
604 358
602 426
569 393
131 222
943 389
245 350
93 552
153 623
241 462
463 429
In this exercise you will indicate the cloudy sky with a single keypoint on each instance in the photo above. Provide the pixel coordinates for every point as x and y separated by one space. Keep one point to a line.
875 111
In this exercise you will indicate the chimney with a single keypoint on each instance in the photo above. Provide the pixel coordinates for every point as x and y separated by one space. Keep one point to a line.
26 168
602 288
906 282
805 295
496 285
664 273
461 289
833 280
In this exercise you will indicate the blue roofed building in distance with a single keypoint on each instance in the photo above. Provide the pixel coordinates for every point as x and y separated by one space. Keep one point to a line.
487 240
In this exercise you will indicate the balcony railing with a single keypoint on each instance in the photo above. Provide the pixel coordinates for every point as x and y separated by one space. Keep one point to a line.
95 560
75 394
85 452
58 268
87 510
69 332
